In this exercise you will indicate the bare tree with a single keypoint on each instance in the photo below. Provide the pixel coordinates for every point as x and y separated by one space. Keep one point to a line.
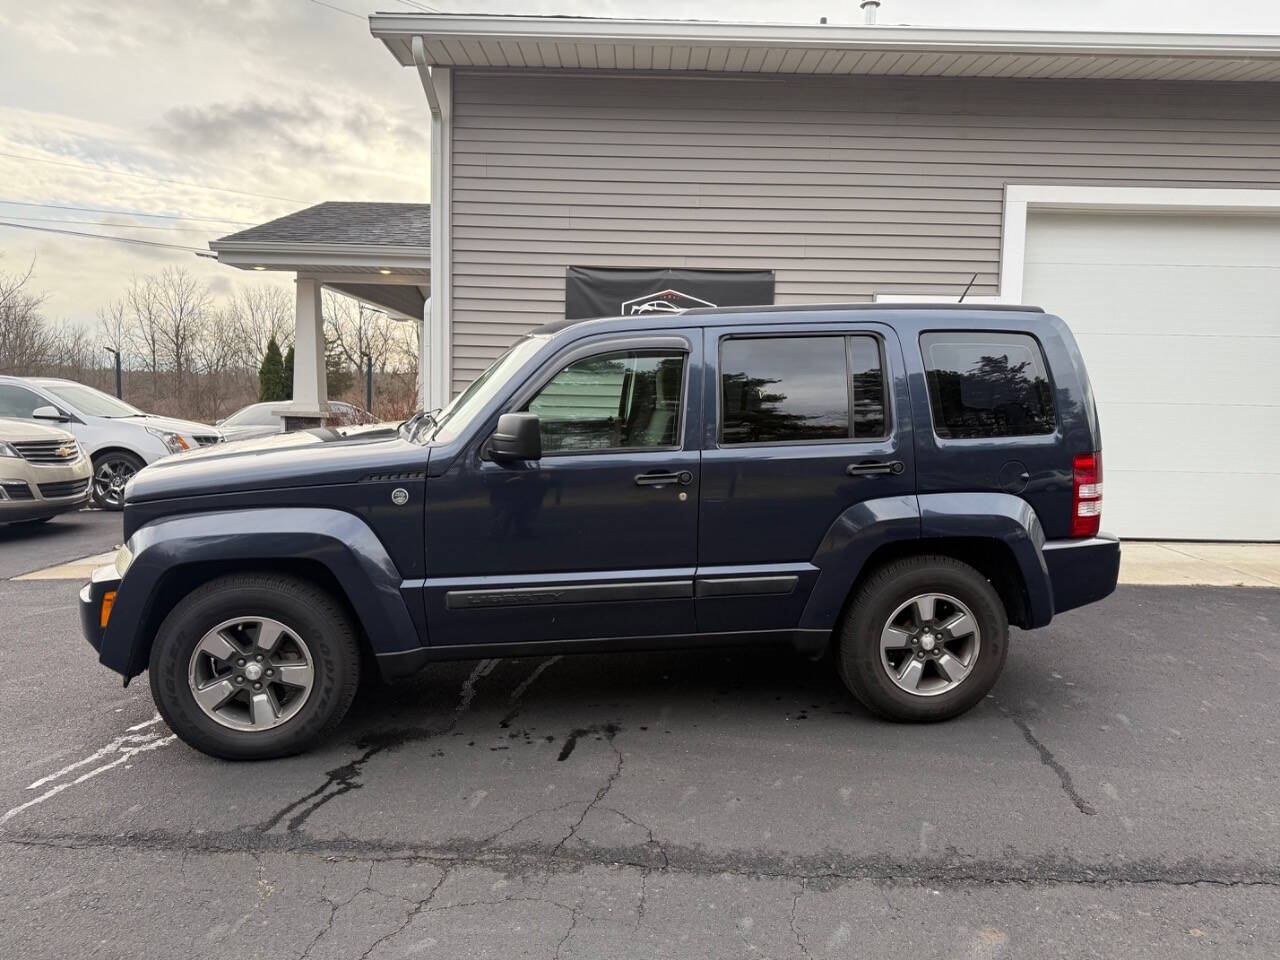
184 302
215 358
259 314
25 340
353 328
143 299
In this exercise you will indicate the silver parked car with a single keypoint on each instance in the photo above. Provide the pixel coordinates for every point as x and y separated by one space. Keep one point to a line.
259 420
119 438
43 472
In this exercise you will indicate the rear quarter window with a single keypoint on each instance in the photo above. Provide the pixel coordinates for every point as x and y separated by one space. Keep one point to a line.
984 385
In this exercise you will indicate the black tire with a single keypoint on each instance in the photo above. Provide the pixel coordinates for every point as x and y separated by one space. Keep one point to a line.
311 612
119 461
859 656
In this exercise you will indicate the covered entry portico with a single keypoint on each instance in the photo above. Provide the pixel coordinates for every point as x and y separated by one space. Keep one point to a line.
378 253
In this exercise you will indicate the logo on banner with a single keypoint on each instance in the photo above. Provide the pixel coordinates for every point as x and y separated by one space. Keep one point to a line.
664 301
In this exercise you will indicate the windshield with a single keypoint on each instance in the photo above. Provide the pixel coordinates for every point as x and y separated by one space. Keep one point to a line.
257 414
91 402
463 408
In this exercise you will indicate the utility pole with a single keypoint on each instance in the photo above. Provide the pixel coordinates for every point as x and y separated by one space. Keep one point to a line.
119 391
368 380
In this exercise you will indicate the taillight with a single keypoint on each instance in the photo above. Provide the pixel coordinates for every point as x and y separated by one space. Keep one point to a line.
1086 494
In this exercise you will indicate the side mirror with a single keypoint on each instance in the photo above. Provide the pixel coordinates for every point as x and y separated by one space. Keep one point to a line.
517 437
49 413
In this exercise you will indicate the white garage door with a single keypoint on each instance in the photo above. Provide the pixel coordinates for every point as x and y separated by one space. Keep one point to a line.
1178 317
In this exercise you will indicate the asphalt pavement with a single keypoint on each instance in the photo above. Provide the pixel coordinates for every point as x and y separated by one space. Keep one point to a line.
1114 797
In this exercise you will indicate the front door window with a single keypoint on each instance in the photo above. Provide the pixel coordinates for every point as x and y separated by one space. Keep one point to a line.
629 400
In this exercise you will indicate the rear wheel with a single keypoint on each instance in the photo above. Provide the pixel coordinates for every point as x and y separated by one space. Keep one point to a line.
111 471
924 639
255 666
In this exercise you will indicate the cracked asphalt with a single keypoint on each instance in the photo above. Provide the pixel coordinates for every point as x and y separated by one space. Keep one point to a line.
1115 797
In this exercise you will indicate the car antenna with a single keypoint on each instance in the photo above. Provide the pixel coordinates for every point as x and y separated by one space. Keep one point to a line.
967 288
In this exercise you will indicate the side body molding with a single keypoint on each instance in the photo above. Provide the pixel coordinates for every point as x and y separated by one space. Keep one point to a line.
856 534
997 516
340 541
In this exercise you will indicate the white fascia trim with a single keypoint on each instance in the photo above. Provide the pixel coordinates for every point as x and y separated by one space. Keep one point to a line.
396 30
289 256
1020 198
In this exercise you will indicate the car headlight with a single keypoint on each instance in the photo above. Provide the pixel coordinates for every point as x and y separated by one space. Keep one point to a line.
6 450
172 441
124 557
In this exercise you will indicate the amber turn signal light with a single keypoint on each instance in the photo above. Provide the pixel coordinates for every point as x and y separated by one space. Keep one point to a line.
104 612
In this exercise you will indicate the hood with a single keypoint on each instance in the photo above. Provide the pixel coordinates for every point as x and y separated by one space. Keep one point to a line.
20 430
173 425
306 458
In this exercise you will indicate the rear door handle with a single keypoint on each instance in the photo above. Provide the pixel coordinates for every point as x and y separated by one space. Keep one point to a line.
893 467
662 479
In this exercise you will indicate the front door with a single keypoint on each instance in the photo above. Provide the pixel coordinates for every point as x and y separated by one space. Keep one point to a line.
598 538
804 421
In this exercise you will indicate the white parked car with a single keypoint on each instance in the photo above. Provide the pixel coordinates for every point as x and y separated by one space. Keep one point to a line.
119 438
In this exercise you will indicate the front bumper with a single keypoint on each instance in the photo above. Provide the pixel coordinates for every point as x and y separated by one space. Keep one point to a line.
104 581
1082 571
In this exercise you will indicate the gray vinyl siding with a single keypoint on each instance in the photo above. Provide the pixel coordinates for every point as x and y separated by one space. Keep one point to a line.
846 187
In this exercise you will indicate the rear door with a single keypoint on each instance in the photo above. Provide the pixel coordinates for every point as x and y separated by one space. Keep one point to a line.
802 423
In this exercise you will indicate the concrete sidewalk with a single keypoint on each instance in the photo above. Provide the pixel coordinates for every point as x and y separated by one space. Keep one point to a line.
1200 564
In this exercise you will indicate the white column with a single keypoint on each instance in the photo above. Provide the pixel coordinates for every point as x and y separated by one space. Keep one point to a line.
310 391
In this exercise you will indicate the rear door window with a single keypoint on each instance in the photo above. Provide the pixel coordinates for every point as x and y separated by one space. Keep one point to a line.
984 385
797 389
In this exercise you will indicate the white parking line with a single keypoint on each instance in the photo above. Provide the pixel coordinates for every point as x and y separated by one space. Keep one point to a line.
124 748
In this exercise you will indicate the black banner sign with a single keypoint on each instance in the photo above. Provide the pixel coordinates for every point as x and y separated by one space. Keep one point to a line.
609 292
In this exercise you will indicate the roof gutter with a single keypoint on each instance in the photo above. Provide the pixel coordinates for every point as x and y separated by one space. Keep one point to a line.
436 353
396 29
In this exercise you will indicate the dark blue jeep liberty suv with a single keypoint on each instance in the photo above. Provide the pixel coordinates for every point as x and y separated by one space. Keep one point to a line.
896 483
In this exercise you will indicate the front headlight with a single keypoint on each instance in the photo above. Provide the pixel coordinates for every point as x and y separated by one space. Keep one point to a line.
124 557
172 441
7 450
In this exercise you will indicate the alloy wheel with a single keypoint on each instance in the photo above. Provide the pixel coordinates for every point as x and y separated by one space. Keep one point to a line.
251 673
109 479
930 644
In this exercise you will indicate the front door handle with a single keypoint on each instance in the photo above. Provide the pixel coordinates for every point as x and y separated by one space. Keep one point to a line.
894 467
662 479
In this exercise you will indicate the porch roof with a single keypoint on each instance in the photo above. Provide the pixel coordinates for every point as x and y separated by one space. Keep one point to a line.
376 252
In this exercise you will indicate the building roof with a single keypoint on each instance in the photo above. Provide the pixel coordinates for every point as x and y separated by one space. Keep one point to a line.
586 43
340 222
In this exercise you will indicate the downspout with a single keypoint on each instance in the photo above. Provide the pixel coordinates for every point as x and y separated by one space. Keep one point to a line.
437 84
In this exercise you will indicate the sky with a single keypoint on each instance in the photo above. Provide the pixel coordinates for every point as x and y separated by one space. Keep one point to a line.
243 110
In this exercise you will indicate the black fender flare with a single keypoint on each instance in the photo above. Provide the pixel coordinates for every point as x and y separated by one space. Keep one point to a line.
341 542
865 527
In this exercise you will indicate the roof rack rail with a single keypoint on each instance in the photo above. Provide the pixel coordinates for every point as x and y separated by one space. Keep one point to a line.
820 307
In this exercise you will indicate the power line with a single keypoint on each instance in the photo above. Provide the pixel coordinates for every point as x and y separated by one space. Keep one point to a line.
102 236
420 6
121 226
337 9
123 213
144 176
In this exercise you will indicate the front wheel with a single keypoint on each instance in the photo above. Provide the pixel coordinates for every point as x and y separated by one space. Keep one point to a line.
111 471
255 666
925 639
